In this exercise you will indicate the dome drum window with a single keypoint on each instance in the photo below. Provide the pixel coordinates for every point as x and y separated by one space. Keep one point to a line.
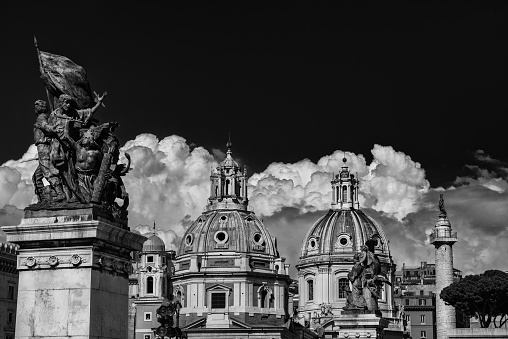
189 238
258 242
343 240
313 244
221 238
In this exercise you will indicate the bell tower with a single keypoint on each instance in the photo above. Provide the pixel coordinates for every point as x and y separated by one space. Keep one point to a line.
228 187
345 189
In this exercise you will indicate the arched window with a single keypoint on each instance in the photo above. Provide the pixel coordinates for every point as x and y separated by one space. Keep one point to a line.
337 194
179 298
264 295
149 285
216 190
310 289
343 287
344 193
227 187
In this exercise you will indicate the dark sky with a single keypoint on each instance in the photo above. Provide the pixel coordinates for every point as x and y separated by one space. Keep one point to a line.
289 82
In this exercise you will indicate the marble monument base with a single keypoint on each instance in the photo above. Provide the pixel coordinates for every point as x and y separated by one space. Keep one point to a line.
352 324
73 273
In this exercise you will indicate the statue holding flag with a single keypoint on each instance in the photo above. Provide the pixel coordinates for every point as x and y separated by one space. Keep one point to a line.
77 156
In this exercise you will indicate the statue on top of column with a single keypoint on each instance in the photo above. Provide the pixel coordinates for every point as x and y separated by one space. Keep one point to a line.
78 157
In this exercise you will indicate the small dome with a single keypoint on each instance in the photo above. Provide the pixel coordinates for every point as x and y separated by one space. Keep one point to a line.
342 232
154 244
228 230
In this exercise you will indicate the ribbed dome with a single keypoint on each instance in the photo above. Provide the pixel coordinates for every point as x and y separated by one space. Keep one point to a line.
228 230
343 232
154 244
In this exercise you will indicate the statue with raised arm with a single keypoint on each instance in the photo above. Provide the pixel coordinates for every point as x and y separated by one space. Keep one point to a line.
67 121
78 156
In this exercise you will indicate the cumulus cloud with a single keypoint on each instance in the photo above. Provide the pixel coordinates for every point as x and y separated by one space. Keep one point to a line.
392 183
16 186
169 183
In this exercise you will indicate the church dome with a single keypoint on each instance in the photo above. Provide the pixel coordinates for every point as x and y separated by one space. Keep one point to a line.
154 244
228 230
328 252
227 224
343 232
345 228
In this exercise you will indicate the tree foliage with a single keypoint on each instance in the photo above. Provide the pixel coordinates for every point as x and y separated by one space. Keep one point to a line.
483 296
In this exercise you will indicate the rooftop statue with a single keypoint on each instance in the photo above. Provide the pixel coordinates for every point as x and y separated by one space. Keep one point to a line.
78 156
366 280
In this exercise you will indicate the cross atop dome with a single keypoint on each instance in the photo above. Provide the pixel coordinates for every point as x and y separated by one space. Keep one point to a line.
228 189
345 189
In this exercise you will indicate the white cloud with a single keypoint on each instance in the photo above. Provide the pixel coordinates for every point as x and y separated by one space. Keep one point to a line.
169 182
392 183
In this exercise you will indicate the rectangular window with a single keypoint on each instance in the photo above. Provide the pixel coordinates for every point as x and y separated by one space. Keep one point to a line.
219 300
310 289
422 318
10 317
424 334
148 316
149 258
407 302
343 287
11 292
421 292
422 302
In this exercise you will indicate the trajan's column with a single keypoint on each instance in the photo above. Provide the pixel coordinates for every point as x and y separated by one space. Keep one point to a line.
443 239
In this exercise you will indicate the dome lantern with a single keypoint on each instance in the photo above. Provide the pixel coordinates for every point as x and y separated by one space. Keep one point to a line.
228 187
345 189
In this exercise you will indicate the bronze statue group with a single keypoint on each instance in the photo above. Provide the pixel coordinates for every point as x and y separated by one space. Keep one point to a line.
78 157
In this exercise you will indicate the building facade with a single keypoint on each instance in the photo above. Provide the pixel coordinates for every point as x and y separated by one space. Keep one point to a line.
8 289
149 287
229 276
415 298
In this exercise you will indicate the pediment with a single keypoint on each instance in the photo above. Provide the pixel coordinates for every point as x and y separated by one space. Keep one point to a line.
219 287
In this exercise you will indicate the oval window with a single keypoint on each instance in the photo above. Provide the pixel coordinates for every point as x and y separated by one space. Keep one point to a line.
188 239
258 238
221 237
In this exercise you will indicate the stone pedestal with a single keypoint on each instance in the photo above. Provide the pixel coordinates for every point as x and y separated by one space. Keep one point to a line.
355 325
73 273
